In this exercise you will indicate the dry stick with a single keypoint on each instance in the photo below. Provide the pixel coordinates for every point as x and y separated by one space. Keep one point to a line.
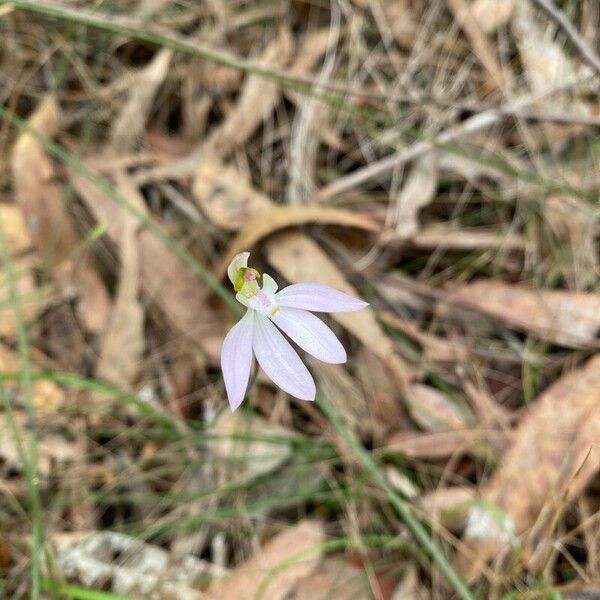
420 148
152 34
584 48
415 151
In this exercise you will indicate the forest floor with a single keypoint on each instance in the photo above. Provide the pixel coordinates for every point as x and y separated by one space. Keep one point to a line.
439 159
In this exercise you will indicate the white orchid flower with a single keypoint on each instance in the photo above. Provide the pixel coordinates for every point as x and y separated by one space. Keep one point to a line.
258 332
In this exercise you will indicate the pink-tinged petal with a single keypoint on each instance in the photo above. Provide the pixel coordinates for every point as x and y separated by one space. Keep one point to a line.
236 358
280 361
311 334
318 297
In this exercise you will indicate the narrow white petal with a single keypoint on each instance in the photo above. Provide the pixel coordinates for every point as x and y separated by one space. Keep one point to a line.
236 358
311 334
280 361
318 297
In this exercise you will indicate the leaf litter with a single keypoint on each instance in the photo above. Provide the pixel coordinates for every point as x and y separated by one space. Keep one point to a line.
437 160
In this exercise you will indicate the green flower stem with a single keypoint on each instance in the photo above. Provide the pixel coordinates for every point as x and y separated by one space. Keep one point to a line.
401 506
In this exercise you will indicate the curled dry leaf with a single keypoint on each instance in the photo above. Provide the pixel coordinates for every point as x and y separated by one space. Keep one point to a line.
276 568
36 189
278 217
41 199
553 456
567 318
300 259
225 195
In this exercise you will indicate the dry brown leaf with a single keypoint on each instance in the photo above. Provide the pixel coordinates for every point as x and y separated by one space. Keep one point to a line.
553 456
256 100
178 293
128 126
13 224
568 318
166 280
333 578
439 444
418 191
300 259
278 217
41 199
225 195
275 569
122 342
433 411
36 189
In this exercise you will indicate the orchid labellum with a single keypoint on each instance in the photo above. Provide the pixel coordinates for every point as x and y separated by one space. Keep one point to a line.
259 332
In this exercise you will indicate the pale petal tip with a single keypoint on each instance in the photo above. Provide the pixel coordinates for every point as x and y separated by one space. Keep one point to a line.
307 395
234 404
